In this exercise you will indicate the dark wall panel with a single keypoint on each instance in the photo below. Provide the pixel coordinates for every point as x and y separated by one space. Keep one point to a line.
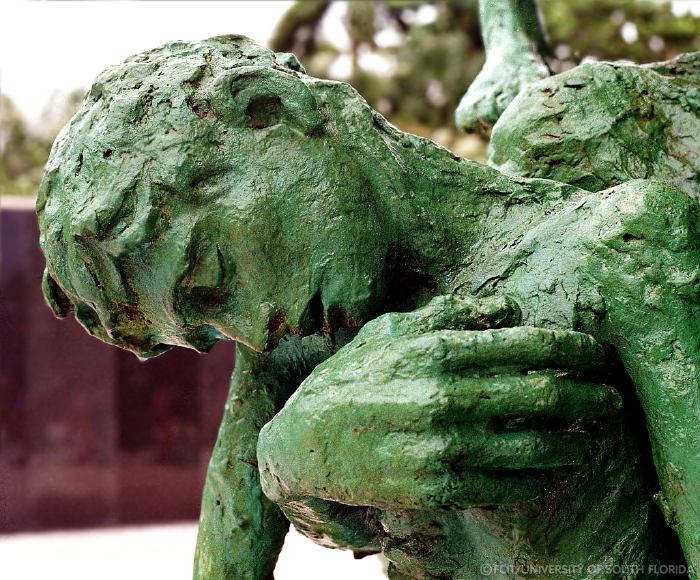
89 435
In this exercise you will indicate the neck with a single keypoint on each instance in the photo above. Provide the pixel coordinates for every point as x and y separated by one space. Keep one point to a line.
447 212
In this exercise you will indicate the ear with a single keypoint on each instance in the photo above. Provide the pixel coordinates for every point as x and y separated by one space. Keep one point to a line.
54 296
259 97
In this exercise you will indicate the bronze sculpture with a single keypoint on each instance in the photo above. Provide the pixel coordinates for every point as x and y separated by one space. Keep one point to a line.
486 413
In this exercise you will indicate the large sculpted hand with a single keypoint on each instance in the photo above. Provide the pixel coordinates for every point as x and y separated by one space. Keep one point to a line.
447 406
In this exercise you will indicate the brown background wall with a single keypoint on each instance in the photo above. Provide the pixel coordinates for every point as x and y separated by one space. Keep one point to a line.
89 435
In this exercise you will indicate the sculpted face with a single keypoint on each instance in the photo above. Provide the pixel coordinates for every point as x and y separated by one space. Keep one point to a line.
202 193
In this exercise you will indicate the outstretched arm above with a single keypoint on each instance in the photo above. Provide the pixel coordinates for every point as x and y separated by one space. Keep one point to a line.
516 45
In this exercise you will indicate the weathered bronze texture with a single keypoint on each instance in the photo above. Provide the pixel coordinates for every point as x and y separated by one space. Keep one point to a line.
525 383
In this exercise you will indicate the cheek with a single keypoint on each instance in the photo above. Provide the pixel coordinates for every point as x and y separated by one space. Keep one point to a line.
206 289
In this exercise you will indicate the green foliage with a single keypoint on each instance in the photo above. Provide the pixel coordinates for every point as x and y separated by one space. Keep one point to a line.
297 30
24 150
23 154
434 61
595 29
430 63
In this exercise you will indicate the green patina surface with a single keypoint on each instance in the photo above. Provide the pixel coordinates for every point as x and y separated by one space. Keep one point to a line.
645 123
524 388
516 50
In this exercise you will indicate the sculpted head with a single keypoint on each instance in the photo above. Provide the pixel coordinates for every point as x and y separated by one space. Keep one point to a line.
212 190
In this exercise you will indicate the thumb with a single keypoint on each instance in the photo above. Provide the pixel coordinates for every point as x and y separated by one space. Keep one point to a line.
449 312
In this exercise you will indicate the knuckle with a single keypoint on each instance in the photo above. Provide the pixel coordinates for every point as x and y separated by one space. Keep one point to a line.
547 388
386 324
608 397
551 392
426 347
532 445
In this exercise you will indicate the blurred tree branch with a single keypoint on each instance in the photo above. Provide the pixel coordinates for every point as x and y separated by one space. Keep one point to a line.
434 51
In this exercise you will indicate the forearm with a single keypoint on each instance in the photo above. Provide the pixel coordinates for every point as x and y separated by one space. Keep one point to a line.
240 531
649 267
631 257
512 24
516 46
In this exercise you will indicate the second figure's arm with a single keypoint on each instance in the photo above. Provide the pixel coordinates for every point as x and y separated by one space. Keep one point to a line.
516 46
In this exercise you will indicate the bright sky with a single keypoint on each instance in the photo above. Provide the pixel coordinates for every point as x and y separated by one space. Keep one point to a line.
45 46
49 46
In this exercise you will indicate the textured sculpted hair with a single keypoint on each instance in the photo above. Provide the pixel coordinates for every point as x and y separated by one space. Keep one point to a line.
115 167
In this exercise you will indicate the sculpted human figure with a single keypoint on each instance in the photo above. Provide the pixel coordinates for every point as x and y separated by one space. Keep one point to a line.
524 388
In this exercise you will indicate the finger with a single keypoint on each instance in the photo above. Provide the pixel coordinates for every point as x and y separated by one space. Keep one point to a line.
419 470
479 489
336 525
450 312
406 471
517 450
419 404
537 394
518 348
466 490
